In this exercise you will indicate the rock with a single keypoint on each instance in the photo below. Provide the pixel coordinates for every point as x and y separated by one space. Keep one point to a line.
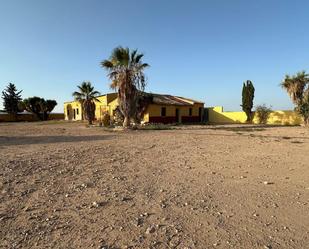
267 183
139 222
150 230
95 204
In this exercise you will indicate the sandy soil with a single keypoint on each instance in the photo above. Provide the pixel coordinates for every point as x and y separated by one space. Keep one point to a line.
67 186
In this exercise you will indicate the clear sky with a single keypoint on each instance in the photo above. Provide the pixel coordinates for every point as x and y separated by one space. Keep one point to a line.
199 49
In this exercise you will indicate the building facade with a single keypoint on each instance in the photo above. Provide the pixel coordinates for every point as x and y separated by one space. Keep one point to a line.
162 109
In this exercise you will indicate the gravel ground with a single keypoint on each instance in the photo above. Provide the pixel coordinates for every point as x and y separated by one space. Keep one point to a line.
67 186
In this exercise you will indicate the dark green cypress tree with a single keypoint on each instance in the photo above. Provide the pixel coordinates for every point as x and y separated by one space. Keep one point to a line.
247 99
11 99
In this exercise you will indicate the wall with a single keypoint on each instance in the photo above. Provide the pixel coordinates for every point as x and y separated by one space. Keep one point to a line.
218 116
69 108
153 113
109 102
29 117
105 103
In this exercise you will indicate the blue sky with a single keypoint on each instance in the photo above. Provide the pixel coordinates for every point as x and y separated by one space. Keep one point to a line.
199 49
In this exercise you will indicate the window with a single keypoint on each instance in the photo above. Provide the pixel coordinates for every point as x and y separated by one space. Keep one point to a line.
77 111
190 111
163 111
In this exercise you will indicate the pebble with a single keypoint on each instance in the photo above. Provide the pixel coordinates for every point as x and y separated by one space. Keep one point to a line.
266 183
150 229
95 204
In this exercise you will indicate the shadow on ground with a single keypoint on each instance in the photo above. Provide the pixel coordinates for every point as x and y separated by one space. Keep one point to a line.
28 140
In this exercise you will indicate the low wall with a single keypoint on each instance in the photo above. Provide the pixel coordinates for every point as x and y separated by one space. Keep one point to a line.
28 117
216 115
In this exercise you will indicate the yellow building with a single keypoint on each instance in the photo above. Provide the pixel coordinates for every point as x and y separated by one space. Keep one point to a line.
162 109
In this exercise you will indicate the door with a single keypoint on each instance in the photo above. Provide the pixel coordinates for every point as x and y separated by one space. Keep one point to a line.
200 114
206 115
74 114
177 115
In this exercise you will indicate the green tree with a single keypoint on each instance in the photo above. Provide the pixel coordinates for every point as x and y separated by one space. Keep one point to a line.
87 96
46 107
297 86
11 99
304 109
39 106
247 99
126 71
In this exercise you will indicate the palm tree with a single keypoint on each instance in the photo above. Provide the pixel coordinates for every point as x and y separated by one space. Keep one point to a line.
87 96
297 87
126 71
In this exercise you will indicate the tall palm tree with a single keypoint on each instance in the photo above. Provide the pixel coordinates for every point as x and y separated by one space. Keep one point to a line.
296 86
87 96
126 71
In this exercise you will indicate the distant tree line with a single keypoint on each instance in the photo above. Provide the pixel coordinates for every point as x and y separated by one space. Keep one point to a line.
13 103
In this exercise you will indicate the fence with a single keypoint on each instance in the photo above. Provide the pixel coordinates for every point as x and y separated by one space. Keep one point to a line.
216 115
28 117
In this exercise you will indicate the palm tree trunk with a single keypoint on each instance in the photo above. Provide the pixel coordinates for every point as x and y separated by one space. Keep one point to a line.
126 122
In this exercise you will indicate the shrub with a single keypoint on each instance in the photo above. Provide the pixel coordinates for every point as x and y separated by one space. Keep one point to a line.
106 119
263 113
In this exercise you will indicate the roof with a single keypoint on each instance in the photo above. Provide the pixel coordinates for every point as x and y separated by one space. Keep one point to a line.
166 99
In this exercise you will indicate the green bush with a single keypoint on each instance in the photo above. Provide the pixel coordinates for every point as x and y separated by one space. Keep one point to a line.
262 112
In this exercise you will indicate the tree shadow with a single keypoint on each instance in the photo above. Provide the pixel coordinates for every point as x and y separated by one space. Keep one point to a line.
28 140
241 128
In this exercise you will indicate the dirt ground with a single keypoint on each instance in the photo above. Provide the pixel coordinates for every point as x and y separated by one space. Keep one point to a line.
67 186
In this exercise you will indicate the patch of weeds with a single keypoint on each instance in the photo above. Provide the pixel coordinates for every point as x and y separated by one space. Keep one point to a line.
156 127
240 129
51 122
